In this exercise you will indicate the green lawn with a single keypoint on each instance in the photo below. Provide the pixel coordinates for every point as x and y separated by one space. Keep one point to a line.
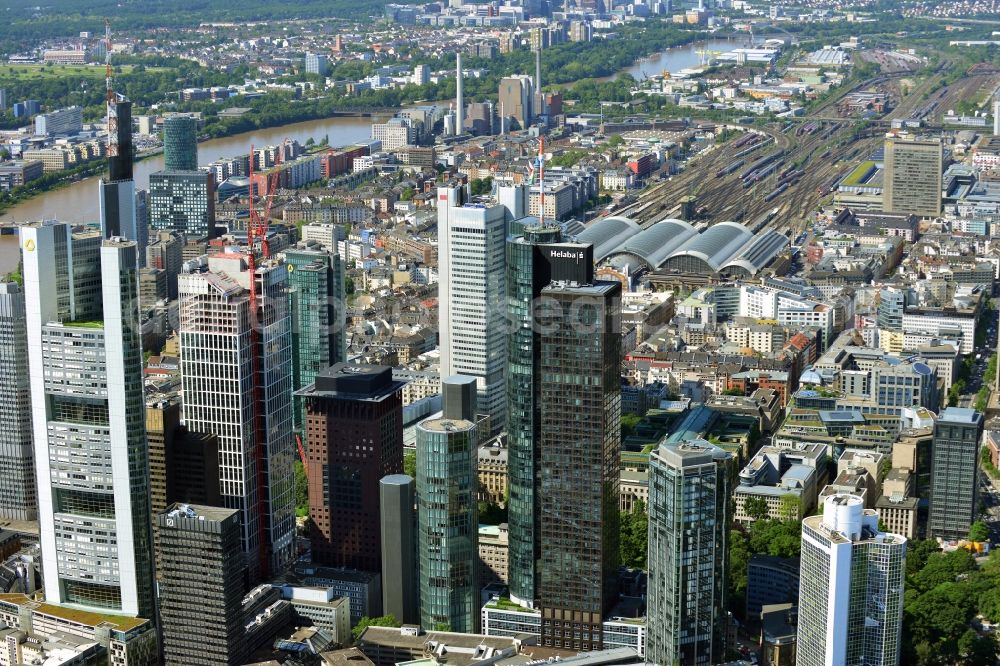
41 72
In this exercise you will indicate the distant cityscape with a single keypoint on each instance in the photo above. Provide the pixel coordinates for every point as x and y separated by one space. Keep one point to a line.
688 359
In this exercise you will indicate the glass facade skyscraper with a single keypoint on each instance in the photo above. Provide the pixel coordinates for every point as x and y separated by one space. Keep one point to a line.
688 530
447 515
180 143
18 500
219 373
316 287
851 582
88 410
183 201
533 253
954 473
580 393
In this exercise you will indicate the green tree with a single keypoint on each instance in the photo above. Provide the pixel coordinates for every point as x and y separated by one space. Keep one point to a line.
629 422
407 194
410 463
789 507
978 531
491 514
365 622
634 537
756 508
349 286
301 490
976 650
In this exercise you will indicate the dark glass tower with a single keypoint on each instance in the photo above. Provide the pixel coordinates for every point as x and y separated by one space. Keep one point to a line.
534 257
180 143
316 287
580 395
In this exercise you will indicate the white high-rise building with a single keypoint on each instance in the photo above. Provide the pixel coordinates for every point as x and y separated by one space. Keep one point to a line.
88 415
471 292
996 118
844 620
254 425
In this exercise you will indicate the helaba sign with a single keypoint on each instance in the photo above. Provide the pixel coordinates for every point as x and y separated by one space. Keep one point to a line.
565 254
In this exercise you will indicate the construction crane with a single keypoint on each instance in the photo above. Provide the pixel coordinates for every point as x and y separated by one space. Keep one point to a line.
259 250
110 98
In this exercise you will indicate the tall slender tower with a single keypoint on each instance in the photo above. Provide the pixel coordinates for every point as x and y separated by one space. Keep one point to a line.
471 294
448 533
119 217
579 467
255 477
535 256
850 587
88 412
459 97
954 473
18 499
688 530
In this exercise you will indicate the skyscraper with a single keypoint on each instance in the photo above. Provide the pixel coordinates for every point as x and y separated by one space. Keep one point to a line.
183 201
891 308
912 181
166 252
397 502
85 360
447 536
579 461
354 424
535 257
471 292
119 217
316 287
515 98
201 586
180 143
954 473
850 587
688 536
249 406
18 500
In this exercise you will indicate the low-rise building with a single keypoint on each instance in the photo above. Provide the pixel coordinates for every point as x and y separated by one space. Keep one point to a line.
494 554
492 473
786 478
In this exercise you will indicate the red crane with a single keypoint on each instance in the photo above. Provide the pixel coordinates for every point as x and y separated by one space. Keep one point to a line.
258 248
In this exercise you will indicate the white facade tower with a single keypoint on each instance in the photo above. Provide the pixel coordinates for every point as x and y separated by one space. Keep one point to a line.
844 620
471 290
256 477
88 414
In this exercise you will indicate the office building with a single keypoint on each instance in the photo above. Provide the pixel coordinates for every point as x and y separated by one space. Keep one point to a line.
954 473
85 359
912 181
515 100
317 63
891 308
3 99
354 425
201 586
166 252
688 537
316 287
394 133
399 548
18 500
249 407
471 292
180 143
183 465
59 122
448 521
183 201
579 461
851 587
535 256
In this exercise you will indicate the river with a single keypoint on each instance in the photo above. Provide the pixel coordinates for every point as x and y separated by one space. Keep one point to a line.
78 202
680 57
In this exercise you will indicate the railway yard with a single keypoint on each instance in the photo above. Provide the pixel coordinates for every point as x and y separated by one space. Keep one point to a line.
775 176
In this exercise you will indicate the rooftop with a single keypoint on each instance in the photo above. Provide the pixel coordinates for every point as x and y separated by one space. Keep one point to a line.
88 618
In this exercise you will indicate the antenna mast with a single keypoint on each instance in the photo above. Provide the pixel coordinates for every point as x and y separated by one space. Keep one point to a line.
109 95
